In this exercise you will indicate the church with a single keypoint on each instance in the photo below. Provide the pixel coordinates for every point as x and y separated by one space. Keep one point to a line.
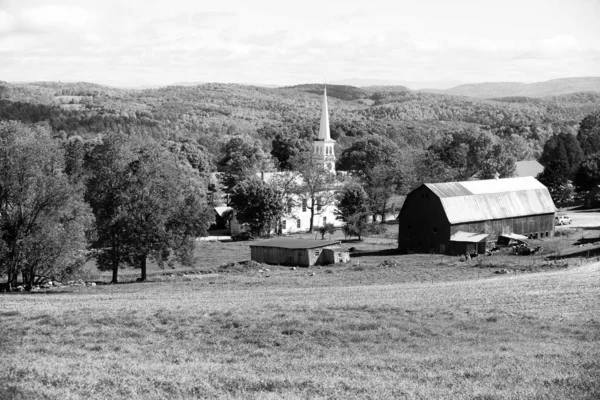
297 212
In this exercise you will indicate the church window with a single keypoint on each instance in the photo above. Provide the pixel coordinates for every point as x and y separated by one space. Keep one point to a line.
324 221
298 223
289 205
303 205
283 224
318 204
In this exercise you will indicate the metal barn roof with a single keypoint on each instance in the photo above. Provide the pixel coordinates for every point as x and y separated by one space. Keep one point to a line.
528 168
470 237
295 243
484 200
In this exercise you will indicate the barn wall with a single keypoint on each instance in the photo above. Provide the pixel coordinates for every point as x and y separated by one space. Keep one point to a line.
422 224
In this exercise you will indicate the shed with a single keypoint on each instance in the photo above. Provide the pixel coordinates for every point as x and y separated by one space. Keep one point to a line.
509 238
335 255
300 252
468 243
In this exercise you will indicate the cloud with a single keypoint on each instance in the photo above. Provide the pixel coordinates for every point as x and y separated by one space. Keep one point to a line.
55 16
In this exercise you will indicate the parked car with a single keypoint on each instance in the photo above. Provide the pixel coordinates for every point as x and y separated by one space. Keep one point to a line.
562 220
242 236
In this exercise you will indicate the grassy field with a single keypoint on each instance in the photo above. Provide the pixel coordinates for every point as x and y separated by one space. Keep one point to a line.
426 327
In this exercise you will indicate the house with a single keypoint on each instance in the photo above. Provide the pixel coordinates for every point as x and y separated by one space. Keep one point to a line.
298 252
528 168
434 213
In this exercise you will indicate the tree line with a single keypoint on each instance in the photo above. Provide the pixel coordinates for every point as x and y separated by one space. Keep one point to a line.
572 162
119 200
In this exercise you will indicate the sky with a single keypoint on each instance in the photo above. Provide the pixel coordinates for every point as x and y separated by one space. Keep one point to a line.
419 43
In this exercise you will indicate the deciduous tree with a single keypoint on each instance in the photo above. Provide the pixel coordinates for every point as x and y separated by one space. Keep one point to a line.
243 158
316 185
589 133
257 204
43 220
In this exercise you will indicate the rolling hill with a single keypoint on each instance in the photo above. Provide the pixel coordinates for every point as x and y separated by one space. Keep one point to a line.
554 87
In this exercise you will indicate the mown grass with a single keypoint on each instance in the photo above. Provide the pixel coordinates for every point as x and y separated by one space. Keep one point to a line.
530 336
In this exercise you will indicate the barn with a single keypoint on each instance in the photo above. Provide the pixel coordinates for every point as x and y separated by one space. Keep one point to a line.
444 217
299 252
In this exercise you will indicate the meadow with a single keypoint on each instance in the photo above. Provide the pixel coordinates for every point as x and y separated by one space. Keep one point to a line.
425 327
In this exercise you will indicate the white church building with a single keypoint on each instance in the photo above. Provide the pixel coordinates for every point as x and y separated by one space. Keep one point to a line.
297 212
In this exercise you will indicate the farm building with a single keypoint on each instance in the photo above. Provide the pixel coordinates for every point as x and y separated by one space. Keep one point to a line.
433 214
300 252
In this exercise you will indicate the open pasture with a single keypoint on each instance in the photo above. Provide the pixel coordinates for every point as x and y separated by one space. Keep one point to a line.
528 336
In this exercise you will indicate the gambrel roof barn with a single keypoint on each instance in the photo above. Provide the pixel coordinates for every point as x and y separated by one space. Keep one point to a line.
434 212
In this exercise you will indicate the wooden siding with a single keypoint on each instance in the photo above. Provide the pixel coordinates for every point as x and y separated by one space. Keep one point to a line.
422 223
333 256
282 256
467 248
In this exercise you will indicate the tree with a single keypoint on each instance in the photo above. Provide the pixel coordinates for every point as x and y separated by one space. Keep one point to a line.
74 157
286 147
192 153
588 174
165 211
146 205
358 225
500 162
243 158
107 166
325 229
556 173
573 152
352 199
366 153
470 152
43 220
381 183
589 133
315 186
257 204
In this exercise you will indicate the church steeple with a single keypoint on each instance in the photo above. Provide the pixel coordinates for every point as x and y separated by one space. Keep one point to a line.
323 146
324 127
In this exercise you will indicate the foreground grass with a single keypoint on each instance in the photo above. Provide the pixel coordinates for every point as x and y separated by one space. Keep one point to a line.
527 336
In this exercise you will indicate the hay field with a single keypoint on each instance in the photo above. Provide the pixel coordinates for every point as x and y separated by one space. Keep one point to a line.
530 336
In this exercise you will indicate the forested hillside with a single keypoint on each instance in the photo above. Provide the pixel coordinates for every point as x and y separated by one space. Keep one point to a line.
211 114
219 110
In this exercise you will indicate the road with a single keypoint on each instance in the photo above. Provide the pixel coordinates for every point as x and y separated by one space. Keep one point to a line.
582 218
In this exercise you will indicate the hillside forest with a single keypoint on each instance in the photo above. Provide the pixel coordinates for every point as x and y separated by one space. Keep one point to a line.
124 176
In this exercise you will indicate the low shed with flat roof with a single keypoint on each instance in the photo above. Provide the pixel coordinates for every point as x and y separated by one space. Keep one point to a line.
299 252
